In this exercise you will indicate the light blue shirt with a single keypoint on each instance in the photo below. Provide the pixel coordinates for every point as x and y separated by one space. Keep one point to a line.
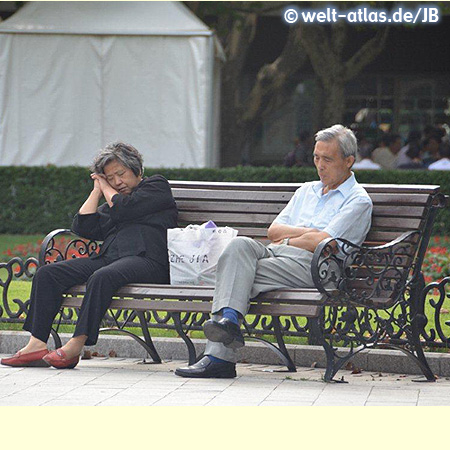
344 212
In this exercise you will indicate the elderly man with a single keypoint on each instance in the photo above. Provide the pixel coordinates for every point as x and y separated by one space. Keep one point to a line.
335 206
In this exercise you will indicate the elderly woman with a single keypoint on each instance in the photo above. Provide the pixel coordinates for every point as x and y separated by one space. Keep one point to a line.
132 224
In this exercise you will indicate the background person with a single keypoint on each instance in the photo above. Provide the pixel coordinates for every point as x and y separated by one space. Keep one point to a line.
443 163
430 150
413 141
366 163
132 224
412 159
386 156
300 155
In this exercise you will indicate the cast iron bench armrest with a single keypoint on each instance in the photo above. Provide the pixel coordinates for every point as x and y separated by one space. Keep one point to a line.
362 274
48 247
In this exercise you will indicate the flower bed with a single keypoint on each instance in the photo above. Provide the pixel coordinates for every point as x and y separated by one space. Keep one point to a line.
437 259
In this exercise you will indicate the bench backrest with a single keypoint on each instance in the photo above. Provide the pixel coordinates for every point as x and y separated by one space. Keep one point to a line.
251 208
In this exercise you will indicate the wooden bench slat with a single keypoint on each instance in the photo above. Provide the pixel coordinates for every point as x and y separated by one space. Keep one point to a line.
233 219
246 196
401 223
203 293
244 207
273 208
291 187
264 196
229 219
199 307
398 211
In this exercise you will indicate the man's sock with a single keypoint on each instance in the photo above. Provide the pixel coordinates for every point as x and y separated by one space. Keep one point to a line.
231 314
215 359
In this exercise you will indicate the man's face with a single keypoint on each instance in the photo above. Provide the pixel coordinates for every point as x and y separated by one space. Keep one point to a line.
396 146
433 146
121 178
332 167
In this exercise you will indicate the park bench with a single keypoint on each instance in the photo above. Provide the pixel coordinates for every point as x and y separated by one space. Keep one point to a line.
363 297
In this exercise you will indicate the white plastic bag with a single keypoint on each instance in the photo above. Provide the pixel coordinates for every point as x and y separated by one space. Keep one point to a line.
194 252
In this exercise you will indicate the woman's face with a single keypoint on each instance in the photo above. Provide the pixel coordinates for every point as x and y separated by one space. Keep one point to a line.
121 178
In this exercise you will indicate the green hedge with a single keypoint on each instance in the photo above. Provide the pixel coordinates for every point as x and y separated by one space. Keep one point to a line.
40 199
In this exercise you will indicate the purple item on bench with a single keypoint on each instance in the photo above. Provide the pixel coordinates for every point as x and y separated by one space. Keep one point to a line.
210 224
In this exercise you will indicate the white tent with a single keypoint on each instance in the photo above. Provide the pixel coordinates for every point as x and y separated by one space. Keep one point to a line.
75 76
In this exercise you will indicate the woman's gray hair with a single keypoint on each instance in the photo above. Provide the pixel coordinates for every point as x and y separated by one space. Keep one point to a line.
346 139
123 153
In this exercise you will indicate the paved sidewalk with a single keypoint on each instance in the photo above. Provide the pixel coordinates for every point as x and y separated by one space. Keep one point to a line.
125 382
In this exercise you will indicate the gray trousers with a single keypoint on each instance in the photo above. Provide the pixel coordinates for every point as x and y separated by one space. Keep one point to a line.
247 268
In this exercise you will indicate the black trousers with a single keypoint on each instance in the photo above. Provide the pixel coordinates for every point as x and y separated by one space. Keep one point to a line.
103 276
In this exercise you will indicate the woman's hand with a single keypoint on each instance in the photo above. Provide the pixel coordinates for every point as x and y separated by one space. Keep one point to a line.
100 182
105 188
96 187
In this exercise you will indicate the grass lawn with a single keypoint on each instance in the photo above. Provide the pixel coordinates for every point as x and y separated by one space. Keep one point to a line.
21 290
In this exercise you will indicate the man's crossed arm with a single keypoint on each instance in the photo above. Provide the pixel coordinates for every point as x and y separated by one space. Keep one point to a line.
301 237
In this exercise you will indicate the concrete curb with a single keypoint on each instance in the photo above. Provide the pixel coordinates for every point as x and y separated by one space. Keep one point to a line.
388 361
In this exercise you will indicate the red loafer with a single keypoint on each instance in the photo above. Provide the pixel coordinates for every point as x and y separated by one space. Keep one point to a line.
33 359
57 358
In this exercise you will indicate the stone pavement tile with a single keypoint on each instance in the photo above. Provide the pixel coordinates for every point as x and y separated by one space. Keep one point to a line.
150 390
11 389
125 401
256 381
153 384
26 373
186 390
387 403
379 394
347 387
220 401
184 401
115 384
300 395
433 401
123 372
341 401
221 381
213 387
91 395
245 394
62 401
24 400
55 389
285 403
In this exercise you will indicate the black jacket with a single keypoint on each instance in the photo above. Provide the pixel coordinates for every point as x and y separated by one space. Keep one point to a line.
137 222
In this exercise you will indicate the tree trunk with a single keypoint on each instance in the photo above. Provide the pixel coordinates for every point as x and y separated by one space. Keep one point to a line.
334 107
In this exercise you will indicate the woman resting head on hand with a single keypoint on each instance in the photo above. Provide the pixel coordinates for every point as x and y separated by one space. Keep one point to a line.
132 223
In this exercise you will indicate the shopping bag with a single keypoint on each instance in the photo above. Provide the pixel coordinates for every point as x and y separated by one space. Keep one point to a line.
194 252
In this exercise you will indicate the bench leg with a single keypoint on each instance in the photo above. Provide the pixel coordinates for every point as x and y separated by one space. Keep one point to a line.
148 339
146 343
334 362
192 355
287 361
56 338
281 351
418 322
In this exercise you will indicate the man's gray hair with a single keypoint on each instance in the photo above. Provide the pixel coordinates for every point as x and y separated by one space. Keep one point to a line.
346 139
123 153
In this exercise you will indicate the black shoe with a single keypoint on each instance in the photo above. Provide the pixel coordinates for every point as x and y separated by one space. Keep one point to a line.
205 368
224 331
